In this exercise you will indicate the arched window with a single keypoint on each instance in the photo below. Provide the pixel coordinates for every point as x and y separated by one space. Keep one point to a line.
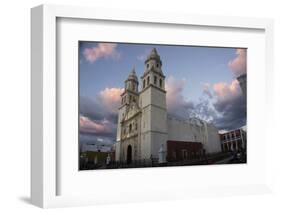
160 82
147 65
148 80
144 83
155 80
130 127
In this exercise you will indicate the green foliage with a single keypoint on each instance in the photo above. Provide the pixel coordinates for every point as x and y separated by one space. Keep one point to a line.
101 156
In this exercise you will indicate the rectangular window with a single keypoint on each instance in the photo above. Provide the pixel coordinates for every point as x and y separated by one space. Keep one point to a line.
184 154
155 80
174 155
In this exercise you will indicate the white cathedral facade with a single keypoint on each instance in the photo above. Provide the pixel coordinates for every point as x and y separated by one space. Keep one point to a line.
143 125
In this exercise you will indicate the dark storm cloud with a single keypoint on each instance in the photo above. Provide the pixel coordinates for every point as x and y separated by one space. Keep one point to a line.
221 104
111 132
233 113
91 108
97 120
226 115
230 105
86 138
99 114
95 110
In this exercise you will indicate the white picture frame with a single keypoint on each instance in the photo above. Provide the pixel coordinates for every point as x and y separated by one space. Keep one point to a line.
44 154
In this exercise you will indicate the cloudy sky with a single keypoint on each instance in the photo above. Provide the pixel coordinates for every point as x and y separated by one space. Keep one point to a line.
200 81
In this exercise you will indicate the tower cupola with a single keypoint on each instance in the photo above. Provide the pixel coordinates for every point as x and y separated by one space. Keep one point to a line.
130 93
153 62
132 82
132 75
153 75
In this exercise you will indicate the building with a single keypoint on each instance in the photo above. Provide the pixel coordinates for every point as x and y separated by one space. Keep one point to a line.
94 154
196 131
234 140
144 127
183 150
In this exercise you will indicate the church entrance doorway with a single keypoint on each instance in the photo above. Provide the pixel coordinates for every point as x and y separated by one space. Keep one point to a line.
129 154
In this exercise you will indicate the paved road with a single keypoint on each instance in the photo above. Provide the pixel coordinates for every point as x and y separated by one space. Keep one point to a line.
226 160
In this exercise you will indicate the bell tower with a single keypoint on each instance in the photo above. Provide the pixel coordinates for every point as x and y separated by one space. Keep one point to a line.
131 89
129 96
153 75
153 104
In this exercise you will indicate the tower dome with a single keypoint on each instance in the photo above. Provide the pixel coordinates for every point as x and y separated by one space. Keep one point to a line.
153 62
153 56
132 75
132 81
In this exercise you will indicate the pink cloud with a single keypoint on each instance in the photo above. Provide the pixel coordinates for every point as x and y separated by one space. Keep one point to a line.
174 88
90 126
100 51
224 91
111 98
239 64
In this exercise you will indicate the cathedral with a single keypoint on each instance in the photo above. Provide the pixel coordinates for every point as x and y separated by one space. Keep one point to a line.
144 129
